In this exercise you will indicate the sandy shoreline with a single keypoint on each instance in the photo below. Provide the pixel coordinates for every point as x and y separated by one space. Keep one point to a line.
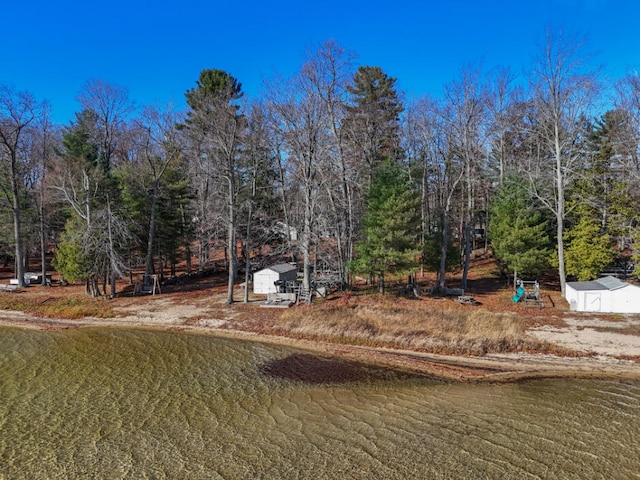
488 368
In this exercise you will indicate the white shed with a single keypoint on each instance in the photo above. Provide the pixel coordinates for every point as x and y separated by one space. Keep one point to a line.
264 280
605 295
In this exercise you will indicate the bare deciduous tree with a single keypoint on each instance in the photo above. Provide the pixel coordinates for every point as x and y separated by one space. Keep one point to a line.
217 128
19 111
503 96
465 111
161 145
564 91
109 106
301 119
330 69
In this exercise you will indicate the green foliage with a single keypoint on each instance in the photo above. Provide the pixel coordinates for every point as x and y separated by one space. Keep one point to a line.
518 231
69 260
216 83
84 162
173 228
77 142
600 202
373 118
601 192
588 250
431 254
635 257
389 244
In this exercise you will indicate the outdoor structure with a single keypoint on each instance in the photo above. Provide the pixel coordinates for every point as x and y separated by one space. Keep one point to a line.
528 291
264 281
605 295
151 285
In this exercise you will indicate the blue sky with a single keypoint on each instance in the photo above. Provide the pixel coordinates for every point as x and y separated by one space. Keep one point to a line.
157 49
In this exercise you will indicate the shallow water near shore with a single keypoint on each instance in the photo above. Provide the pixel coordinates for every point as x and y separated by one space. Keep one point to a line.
110 403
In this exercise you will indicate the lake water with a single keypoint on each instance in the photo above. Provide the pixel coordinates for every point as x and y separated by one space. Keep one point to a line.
113 404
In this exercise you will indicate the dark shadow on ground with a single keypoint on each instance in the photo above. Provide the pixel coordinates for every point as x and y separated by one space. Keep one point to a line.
307 368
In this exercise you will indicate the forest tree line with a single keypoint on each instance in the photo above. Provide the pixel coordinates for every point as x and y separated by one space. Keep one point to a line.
332 168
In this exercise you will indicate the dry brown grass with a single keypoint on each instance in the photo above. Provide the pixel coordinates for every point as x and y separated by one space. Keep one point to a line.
358 317
628 330
48 306
409 324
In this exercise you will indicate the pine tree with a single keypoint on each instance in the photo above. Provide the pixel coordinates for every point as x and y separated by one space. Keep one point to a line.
603 188
373 119
70 262
600 204
518 231
390 226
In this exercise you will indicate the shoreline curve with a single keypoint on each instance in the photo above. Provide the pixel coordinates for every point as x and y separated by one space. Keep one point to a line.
496 368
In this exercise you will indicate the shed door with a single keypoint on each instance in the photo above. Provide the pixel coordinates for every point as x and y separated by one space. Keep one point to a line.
592 302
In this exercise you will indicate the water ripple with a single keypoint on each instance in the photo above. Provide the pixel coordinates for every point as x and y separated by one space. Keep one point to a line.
100 403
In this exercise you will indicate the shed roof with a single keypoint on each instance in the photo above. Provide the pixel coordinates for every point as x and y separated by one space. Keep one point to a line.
605 283
281 268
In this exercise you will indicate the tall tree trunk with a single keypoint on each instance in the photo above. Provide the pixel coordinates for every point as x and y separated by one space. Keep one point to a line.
148 269
17 231
43 244
247 267
247 264
306 239
285 208
17 228
424 212
467 254
469 219
443 252
560 212
231 225
113 285
187 243
112 255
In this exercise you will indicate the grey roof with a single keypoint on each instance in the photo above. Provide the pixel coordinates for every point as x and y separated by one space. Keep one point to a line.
583 286
282 268
605 283
612 283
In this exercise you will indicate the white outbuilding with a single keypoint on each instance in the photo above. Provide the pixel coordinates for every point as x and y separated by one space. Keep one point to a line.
605 295
264 281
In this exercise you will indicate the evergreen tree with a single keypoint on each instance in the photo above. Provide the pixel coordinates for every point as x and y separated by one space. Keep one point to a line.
70 262
212 83
518 230
390 226
172 226
588 249
599 203
603 189
373 119
432 251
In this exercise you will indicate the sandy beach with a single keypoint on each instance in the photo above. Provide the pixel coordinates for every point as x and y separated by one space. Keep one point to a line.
599 352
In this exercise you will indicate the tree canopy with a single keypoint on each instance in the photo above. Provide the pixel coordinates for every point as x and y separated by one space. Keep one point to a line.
333 168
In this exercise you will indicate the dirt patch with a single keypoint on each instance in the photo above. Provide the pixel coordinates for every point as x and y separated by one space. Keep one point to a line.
595 335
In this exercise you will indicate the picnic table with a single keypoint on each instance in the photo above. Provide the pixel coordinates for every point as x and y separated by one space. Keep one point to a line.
466 300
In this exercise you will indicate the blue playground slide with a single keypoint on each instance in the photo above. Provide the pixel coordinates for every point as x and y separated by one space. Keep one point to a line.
519 294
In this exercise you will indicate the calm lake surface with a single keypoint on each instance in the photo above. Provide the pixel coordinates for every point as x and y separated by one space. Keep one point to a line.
112 404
